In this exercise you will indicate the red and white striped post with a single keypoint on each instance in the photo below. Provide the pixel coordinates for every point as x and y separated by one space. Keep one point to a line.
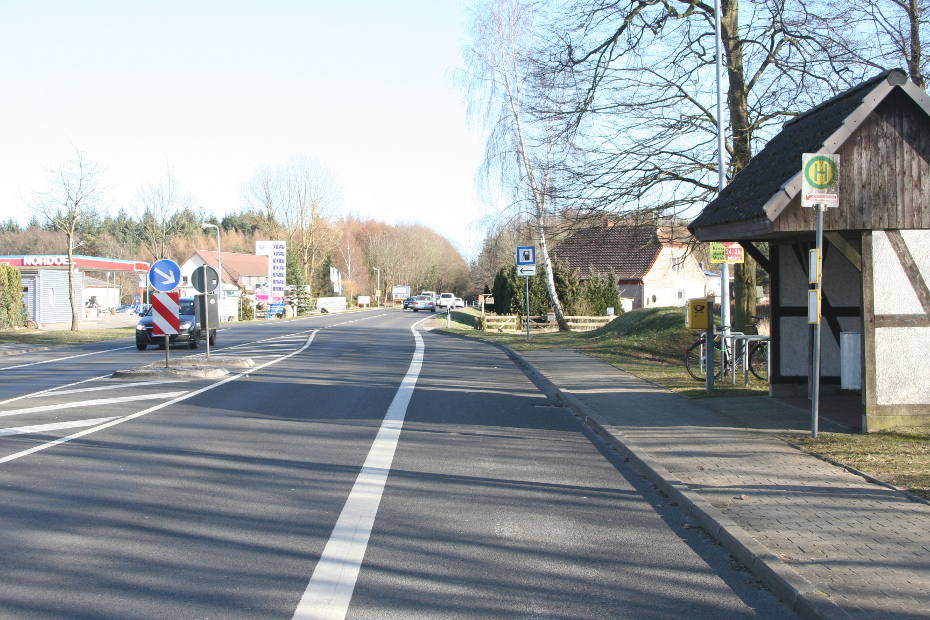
166 317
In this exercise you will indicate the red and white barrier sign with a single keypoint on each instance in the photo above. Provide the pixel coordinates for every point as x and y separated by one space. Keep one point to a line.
166 319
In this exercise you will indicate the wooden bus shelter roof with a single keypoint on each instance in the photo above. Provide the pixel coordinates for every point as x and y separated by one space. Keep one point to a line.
880 128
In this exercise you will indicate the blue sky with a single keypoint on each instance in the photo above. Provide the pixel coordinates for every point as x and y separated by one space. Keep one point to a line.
218 90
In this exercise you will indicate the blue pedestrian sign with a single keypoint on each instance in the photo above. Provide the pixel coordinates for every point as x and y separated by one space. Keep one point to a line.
526 255
165 275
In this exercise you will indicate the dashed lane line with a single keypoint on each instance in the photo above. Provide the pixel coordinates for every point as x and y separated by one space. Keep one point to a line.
117 386
55 426
91 403
69 357
138 414
51 389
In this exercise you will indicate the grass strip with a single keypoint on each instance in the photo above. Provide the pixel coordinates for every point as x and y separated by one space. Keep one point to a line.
900 457
63 337
650 343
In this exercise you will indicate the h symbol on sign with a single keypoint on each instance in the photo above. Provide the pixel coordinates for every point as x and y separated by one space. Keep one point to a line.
821 172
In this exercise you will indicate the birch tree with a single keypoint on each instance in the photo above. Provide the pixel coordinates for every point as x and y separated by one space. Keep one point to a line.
504 85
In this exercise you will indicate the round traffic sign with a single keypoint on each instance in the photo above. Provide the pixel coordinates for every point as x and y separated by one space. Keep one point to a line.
820 172
165 275
205 279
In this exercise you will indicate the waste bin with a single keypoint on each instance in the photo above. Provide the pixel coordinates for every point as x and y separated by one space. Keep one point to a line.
850 360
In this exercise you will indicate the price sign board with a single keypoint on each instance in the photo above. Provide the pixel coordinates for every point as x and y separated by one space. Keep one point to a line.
726 252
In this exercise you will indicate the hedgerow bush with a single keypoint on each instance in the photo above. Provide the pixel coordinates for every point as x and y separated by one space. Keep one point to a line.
12 310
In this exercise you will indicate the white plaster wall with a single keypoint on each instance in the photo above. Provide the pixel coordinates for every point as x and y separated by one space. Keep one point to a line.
918 242
902 376
893 291
673 287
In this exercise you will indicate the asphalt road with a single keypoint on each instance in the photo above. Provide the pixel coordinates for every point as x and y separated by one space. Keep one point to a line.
252 497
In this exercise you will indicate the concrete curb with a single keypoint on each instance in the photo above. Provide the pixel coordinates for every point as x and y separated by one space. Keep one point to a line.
13 351
174 372
800 595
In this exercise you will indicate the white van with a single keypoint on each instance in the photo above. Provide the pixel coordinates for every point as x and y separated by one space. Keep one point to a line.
446 300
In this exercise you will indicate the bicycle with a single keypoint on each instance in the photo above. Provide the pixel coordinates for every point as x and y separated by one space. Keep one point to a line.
726 359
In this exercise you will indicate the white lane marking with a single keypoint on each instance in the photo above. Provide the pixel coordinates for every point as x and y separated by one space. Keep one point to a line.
138 414
43 428
90 403
51 389
116 386
329 592
69 357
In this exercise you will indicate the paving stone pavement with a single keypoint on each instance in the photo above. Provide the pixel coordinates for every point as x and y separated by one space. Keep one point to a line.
864 545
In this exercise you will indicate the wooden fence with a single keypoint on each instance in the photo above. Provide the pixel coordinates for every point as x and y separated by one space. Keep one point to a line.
513 323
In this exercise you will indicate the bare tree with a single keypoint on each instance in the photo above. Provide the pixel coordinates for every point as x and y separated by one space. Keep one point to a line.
504 84
159 223
299 195
879 34
69 205
641 110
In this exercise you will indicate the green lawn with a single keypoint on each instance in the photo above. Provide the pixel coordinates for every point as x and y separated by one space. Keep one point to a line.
650 343
901 458
60 337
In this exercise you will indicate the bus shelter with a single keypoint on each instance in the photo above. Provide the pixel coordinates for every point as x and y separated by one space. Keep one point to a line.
876 259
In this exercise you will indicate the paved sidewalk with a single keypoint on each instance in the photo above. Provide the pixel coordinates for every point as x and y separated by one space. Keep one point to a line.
828 542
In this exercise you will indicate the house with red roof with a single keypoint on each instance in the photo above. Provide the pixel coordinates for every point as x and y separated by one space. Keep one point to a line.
241 273
651 266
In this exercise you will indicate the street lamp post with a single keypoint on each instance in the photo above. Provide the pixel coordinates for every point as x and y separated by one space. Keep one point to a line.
378 286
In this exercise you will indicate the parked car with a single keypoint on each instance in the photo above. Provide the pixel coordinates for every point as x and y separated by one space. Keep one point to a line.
446 300
125 308
189 333
459 302
408 303
423 302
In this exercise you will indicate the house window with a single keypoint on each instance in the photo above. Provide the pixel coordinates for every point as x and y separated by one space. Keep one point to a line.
183 280
681 294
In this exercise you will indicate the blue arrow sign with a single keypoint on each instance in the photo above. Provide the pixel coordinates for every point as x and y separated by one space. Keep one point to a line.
165 275
526 255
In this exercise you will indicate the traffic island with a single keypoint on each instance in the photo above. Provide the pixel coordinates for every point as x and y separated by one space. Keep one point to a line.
198 367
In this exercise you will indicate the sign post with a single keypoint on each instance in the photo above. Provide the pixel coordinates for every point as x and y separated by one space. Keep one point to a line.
164 276
526 267
819 189
166 319
205 280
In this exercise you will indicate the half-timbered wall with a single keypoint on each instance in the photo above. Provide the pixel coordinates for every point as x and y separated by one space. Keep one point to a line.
898 377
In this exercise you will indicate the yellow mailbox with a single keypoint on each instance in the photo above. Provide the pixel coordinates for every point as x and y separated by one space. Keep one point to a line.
699 311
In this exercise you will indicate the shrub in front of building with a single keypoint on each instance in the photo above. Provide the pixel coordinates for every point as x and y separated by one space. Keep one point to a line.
12 310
